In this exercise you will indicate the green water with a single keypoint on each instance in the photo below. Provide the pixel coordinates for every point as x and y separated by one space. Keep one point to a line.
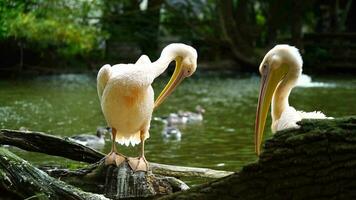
67 105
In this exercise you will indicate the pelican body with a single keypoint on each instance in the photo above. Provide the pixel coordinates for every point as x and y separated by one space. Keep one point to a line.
280 70
127 97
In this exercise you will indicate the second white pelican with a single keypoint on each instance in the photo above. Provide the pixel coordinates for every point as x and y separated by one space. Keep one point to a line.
280 69
127 98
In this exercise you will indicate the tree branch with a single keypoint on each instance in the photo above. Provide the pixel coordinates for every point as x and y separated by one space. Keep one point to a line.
48 144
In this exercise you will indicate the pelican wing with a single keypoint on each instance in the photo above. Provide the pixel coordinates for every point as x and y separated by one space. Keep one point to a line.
102 79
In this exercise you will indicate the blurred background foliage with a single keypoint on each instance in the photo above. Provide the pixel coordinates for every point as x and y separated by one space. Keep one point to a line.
77 35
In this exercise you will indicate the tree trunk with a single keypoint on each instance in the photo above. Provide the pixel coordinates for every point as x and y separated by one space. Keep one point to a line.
316 161
232 33
296 27
149 28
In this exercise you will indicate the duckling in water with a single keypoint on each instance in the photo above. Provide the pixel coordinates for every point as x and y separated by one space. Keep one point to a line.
171 132
184 117
192 117
94 141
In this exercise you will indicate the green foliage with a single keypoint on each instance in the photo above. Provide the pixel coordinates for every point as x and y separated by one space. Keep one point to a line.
55 23
121 30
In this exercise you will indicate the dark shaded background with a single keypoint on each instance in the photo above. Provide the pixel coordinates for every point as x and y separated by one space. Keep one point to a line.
40 37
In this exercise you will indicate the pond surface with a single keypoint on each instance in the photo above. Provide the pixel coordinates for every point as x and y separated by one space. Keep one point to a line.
67 105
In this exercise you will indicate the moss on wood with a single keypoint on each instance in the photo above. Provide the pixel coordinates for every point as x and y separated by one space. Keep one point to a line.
316 161
19 178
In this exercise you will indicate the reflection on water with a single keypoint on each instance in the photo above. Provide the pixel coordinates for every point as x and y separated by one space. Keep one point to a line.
68 105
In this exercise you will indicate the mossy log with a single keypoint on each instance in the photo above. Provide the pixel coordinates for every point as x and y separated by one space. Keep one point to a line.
316 161
49 144
112 181
119 182
115 182
20 180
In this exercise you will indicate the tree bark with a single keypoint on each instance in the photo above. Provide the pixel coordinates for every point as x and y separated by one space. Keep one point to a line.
316 161
297 23
115 182
149 28
19 179
48 144
232 33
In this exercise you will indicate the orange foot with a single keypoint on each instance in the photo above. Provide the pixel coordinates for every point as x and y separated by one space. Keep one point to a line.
114 158
138 164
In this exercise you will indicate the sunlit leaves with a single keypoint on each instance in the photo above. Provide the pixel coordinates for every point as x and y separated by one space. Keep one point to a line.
69 26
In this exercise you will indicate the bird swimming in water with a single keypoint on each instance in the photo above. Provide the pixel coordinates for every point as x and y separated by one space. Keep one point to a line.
184 117
170 131
127 98
94 141
192 117
280 69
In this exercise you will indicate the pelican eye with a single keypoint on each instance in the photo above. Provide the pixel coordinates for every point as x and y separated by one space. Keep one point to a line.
264 68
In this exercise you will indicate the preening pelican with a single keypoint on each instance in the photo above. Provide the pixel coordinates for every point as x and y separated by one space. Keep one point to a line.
280 69
127 98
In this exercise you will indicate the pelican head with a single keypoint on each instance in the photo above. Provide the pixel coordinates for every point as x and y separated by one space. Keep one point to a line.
282 65
186 63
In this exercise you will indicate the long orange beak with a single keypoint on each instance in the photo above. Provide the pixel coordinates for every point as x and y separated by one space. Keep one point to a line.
269 82
175 80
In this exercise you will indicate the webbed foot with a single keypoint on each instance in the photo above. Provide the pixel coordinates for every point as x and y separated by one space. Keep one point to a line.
138 164
114 158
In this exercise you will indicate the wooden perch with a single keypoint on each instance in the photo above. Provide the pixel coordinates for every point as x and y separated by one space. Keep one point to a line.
19 179
316 161
112 181
48 144
52 145
96 177
179 171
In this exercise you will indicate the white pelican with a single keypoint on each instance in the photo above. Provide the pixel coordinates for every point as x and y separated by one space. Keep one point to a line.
127 98
280 69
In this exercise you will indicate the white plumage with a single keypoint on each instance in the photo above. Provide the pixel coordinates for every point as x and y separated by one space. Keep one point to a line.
127 101
127 97
280 70
290 117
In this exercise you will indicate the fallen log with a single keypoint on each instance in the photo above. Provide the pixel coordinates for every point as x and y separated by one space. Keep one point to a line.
180 171
19 179
49 144
97 177
52 145
112 181
316 161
